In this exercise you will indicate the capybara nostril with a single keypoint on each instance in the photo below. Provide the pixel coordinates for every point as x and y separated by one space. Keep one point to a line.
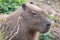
48 25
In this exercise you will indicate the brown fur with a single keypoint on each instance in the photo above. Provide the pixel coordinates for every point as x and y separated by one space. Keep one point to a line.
24 24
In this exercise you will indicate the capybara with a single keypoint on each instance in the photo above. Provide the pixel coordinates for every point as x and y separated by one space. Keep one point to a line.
25 23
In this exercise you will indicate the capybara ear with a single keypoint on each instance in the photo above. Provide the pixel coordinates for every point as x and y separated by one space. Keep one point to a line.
24 6
31 3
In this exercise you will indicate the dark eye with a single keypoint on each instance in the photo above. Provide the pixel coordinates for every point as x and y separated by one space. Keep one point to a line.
34 13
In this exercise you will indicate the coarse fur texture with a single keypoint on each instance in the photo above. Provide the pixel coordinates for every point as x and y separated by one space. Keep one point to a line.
25 23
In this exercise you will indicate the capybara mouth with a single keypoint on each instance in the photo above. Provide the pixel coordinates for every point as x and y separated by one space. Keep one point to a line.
45 30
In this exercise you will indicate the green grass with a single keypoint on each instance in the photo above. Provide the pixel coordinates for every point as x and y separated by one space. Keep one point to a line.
1 36
7 6
52 18
46 36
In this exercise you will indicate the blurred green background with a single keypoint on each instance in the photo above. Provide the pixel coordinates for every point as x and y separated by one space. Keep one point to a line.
7 6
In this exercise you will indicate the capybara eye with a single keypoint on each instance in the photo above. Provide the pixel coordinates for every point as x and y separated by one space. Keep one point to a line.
34 13
31 3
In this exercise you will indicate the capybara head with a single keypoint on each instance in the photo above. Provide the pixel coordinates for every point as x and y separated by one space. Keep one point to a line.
34 18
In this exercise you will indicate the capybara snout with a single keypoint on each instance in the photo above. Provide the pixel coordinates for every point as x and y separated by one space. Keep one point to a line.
47 24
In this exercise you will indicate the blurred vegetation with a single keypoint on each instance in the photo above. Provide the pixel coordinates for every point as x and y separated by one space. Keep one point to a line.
52 18
1 36
46 36
7 6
